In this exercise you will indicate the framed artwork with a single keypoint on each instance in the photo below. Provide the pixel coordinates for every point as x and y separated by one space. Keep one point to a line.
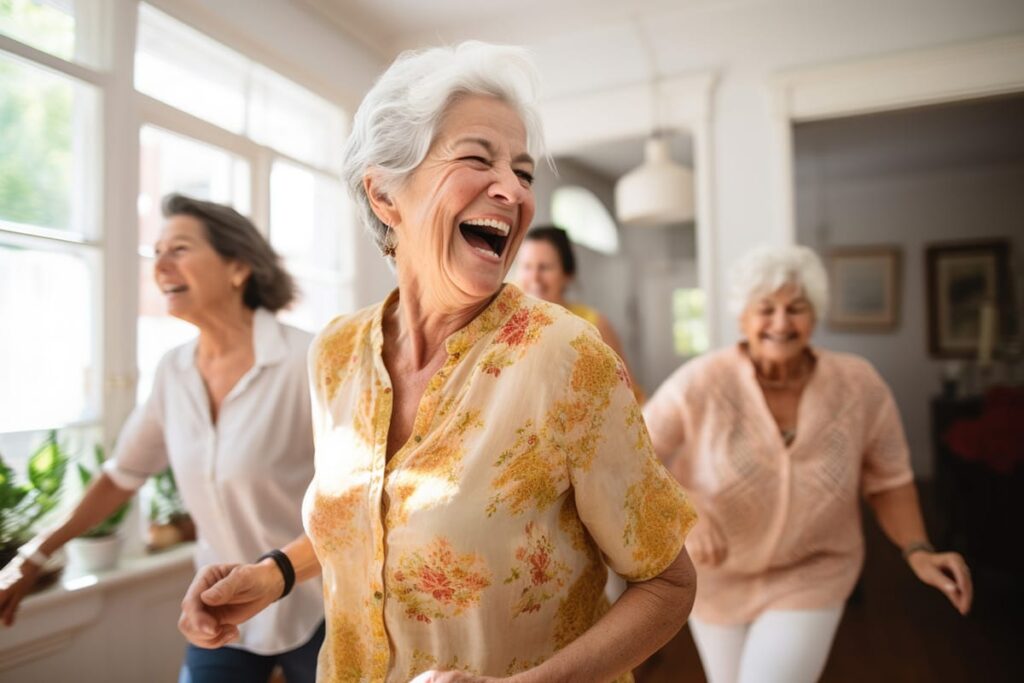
962 277
864 288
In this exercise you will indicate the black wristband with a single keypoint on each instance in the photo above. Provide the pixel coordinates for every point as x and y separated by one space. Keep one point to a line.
285 565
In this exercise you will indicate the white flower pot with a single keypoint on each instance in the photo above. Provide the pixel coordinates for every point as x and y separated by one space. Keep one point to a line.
95 554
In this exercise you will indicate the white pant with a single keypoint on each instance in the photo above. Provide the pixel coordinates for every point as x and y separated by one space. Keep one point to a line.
780 646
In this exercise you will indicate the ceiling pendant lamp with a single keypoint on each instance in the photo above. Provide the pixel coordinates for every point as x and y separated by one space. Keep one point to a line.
658 192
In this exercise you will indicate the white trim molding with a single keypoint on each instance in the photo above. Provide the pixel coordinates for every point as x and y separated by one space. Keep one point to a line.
683 103
950 73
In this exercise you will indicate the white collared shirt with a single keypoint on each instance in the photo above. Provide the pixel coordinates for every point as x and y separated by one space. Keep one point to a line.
243 478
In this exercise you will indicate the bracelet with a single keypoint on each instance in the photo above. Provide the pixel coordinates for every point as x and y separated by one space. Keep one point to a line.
33 555
917 546
285 565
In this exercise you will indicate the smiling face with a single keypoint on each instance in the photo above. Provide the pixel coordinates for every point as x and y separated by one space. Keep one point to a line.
193 277
539 271
778 325
461 214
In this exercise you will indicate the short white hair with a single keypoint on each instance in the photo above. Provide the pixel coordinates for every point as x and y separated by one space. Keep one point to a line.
767 269
396 123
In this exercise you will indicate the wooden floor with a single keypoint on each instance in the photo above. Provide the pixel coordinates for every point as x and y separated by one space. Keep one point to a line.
897 629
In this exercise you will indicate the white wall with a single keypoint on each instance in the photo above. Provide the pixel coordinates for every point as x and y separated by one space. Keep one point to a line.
846 199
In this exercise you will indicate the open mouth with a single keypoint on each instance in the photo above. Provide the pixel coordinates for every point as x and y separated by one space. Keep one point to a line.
486 235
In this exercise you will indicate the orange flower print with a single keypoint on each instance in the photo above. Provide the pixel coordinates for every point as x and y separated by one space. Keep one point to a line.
518 333
438 583
538 572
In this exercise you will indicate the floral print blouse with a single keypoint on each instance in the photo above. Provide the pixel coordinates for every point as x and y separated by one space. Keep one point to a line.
482 545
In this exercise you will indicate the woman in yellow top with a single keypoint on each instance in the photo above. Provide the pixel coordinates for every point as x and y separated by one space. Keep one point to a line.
545 269
480 459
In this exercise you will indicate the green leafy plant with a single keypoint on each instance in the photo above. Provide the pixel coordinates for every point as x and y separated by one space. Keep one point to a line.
166 506
23 505
109 525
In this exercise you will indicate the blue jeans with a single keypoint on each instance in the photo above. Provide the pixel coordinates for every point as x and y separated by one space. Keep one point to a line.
232 665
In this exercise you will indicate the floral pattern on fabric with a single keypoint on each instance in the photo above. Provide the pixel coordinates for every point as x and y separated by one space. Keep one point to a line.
528 429
653 506
538 571
521 331
438 583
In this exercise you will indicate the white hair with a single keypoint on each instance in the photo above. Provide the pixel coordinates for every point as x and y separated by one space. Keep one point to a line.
767 269
396 123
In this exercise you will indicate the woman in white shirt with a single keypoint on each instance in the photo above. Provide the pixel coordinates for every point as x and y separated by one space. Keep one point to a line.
230 414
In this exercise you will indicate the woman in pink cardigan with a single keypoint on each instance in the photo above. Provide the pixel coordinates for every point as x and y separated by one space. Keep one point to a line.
775 441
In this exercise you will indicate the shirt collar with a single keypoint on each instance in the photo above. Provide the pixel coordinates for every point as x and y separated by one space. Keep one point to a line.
501 308
268 342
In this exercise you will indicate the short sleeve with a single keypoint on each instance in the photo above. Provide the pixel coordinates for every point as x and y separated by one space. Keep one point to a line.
886 463
141 451
631 506
665 417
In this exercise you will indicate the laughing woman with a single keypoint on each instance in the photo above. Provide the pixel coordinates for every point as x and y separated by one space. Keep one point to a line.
777 440
480 458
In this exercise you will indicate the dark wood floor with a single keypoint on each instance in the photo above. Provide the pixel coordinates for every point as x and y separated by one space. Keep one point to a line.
897 629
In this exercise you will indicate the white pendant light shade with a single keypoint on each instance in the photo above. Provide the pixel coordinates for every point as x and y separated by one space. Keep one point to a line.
658 192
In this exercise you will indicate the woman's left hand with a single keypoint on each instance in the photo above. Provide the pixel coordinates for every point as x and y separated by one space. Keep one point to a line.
948 572
452 677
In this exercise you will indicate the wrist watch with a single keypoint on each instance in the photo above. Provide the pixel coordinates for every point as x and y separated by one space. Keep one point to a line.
917 546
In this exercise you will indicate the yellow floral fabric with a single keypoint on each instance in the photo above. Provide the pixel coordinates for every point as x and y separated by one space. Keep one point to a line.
482 545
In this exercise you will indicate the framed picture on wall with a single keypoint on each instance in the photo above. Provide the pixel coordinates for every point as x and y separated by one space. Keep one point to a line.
963 278
864 288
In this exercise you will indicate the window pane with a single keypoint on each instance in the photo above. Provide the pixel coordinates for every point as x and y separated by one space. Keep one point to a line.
184 68
45 25
173 163
689 326
318 303
295 121
49 356
157 331
47 129
309 218
585 218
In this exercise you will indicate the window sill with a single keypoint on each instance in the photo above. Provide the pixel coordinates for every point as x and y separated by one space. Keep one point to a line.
48 622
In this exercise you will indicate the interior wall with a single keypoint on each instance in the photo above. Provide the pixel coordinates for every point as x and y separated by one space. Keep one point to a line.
633 288
910 207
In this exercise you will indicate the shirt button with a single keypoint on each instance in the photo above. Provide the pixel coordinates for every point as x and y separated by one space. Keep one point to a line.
377 595
387 390
417 438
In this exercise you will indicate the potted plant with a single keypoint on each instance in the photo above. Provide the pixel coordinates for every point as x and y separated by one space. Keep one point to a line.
23 505
99 547
169 522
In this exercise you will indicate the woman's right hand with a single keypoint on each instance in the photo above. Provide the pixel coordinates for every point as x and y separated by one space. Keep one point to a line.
222 596
16 580
706 544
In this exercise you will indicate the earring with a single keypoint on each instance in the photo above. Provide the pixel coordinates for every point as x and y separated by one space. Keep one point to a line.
390 243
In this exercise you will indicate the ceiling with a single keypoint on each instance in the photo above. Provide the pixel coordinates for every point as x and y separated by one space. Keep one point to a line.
614 159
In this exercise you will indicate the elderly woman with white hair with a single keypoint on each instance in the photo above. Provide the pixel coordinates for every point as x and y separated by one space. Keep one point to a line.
480 458
775 440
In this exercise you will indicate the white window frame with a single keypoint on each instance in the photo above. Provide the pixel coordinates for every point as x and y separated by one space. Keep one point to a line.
123 112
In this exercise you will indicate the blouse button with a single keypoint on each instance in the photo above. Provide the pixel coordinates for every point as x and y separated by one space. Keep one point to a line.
387 390
418 438
377 595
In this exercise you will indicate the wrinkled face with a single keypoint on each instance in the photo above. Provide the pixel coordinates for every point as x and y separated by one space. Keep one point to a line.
778 325
193 277
539 271
462 213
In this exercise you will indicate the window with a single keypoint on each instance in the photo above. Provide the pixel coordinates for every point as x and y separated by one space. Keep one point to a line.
272 152
212 123
585 218
689 325
51 353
